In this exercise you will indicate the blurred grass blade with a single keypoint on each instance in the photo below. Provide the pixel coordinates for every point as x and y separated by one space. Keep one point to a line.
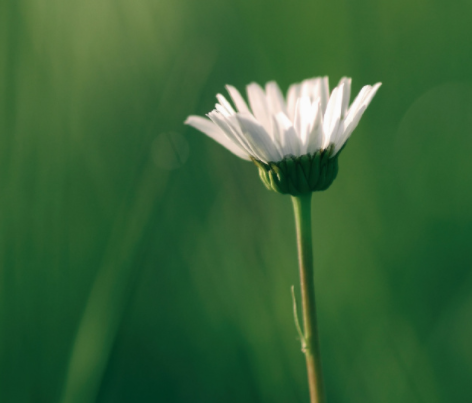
109 293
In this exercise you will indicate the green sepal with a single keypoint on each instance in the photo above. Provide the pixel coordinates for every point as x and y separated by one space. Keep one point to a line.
292 189
281 177
315 170
265 178
283 166
324 183
305 162
303 186
259 164
323 170
332 172
291 170
274 182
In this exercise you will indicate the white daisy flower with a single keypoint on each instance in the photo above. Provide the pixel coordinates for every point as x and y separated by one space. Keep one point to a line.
309 122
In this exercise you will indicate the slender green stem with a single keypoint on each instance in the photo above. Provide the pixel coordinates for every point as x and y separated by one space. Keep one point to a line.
302 209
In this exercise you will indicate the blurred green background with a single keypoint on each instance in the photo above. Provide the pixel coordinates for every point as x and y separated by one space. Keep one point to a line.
142 262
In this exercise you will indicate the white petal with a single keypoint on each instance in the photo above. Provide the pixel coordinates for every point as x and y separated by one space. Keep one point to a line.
332 116
238 100
354 115
363 99
258 137
347 94
348 127
358 101
233 121
316 136
308 87
258 103
324 93
223 102
222 110
275 99
289 139
292 96
368 98
232 131
303 118
278 136
211 130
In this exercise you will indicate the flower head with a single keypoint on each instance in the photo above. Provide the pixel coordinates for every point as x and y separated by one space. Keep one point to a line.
295 141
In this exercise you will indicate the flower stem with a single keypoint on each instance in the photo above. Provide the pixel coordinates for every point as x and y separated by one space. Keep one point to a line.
302 209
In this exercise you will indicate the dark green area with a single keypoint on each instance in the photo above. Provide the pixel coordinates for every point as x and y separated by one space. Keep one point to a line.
300 175
142 262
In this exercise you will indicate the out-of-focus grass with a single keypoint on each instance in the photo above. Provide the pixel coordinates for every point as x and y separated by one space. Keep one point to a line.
131 273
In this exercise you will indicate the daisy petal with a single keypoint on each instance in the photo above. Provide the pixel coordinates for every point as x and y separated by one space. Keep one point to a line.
258 103
368 98
258 137
289 139
238 100
292 96
232 131
347 94
358 101
333 115
363 99
223 102
348 127
324 93
308 87
278 136
275 99
354 116
211 130
303 118
315 138
222 110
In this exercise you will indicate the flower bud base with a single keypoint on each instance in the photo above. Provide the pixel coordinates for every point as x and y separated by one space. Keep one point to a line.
300 175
